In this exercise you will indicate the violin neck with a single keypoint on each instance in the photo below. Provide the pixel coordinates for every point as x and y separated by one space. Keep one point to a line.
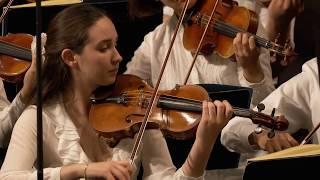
179 104
189 105
15 51
231 31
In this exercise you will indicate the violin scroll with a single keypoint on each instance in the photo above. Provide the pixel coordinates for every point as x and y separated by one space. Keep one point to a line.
283 52
269 121
262 119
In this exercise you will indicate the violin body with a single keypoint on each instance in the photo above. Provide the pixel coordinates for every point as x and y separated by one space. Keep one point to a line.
15 56
122 113
221 43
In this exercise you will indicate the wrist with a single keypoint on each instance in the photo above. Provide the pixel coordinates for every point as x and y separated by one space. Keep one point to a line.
253 142
85 172
278 27
82 171
24 97
74 171
253 74
202 147
197 159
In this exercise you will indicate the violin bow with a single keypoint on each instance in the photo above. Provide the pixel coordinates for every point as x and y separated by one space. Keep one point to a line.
4 13
200 43
39 90
156 88
311 133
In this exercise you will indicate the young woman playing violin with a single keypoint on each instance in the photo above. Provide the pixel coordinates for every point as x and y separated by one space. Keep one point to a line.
251 69
81 55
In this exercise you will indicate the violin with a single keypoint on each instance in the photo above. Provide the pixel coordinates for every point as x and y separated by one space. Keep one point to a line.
228 20
177 112
15 56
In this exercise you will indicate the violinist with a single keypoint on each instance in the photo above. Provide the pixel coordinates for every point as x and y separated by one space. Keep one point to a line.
297 100
80 55
251 69
10 112
291 21
289 18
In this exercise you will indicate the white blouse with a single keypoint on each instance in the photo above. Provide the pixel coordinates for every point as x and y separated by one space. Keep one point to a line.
62 147
9 113
148 59
297 100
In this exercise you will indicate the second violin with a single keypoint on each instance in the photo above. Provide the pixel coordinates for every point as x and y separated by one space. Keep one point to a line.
228 20
15 56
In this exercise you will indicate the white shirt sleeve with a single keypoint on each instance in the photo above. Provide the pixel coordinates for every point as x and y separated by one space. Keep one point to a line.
9 113
292 99
168 11
23 149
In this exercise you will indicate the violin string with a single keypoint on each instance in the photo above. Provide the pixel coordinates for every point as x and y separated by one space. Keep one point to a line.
231 31
143 99
163 96
5 46
129 98
146 94
11 46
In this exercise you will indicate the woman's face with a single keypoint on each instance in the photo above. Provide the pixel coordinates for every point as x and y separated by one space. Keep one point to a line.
99 60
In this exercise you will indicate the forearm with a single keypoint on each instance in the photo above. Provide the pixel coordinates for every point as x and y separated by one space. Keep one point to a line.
8 117
26 95
265 86
74 171
254 75
276 28
197 159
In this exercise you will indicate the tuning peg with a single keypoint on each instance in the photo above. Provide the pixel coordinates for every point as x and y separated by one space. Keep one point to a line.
261 107
271 134
276 40
272 112
287 48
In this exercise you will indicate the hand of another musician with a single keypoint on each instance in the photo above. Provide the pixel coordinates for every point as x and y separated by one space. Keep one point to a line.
282 11
29 81
280 141
247 55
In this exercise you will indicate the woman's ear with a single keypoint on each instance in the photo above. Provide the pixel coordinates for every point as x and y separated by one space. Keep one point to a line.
68 58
